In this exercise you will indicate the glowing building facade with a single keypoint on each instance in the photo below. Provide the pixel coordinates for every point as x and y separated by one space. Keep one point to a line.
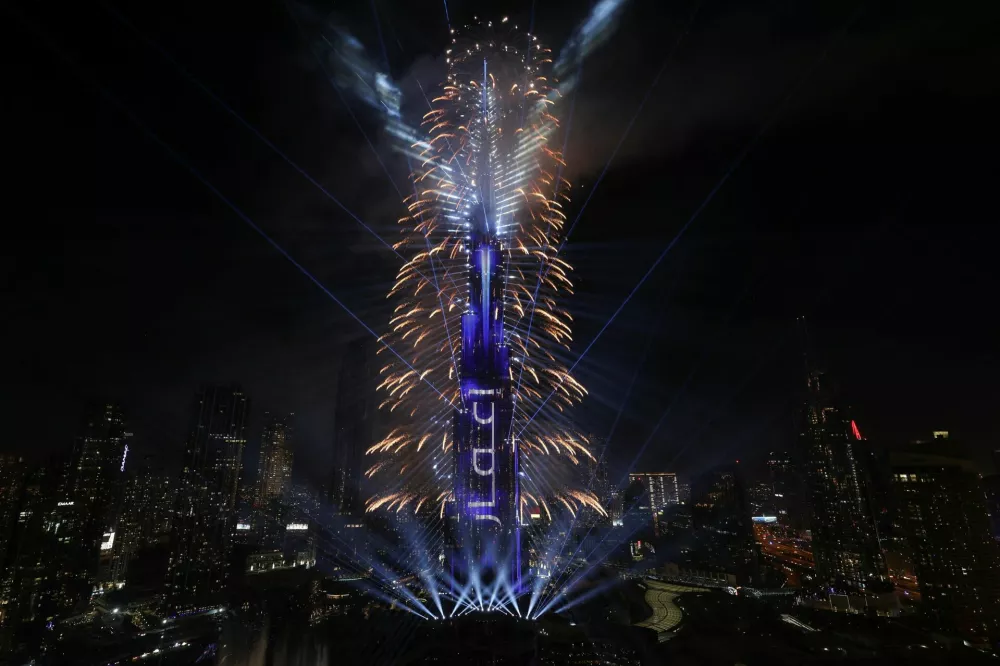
486 460
661 487
274 472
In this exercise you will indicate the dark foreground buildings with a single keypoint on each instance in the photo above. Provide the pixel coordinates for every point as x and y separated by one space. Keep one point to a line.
203 522
941 507
723 538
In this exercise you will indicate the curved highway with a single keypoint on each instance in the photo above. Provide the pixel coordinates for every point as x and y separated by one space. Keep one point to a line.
661 597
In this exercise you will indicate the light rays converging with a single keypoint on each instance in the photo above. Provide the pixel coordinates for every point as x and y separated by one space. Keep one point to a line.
528 194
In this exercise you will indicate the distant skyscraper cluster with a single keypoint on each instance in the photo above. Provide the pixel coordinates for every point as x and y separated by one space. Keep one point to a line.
661 490
828 517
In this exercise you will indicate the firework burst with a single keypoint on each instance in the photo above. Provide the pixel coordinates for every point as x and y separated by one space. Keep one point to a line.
507 109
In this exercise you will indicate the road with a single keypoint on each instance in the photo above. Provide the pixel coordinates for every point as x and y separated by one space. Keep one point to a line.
661 598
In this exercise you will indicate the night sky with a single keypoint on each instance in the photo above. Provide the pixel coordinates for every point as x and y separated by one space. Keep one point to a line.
852 146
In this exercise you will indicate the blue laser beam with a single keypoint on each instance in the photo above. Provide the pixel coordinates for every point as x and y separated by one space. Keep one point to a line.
628 128
631 122
260 136
736 163
181 161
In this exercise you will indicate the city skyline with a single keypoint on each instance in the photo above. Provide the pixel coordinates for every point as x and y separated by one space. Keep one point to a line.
387 333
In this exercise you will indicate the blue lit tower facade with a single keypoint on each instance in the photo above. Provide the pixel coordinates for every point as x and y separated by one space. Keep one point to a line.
486 459
474 391
487 535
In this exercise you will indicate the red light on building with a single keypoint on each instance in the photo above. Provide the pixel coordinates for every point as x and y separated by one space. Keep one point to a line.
854 429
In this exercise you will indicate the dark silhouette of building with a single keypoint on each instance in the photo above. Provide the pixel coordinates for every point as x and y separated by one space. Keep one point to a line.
12 477
85 516
145 515
992 486
723 532
32 588
942 509
661 493
356 424
837 462
206 503
788 486
150 497
597 479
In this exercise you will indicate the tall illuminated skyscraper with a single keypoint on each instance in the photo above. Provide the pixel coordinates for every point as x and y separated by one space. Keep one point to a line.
661 488
274 471
837 463
207 496
487 534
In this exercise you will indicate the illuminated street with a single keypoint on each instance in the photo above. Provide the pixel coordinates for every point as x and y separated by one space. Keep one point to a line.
662 597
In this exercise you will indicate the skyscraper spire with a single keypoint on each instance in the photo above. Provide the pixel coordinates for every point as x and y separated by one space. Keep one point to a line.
837 466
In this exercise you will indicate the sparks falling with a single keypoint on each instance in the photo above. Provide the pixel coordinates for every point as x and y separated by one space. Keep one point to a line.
502 115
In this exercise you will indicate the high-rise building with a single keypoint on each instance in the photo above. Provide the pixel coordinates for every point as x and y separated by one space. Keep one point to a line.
683 492
761 496
206 502
85 517
356 422
12 477
597 470
942 509
274 472
486 530
661 490
837 460
785 475
723 531
145 517
34 586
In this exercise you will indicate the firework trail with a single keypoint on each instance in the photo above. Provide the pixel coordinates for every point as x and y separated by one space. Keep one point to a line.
499 98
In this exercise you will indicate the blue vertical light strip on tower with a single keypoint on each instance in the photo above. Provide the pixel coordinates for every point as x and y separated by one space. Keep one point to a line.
487 491
487 171
484 266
